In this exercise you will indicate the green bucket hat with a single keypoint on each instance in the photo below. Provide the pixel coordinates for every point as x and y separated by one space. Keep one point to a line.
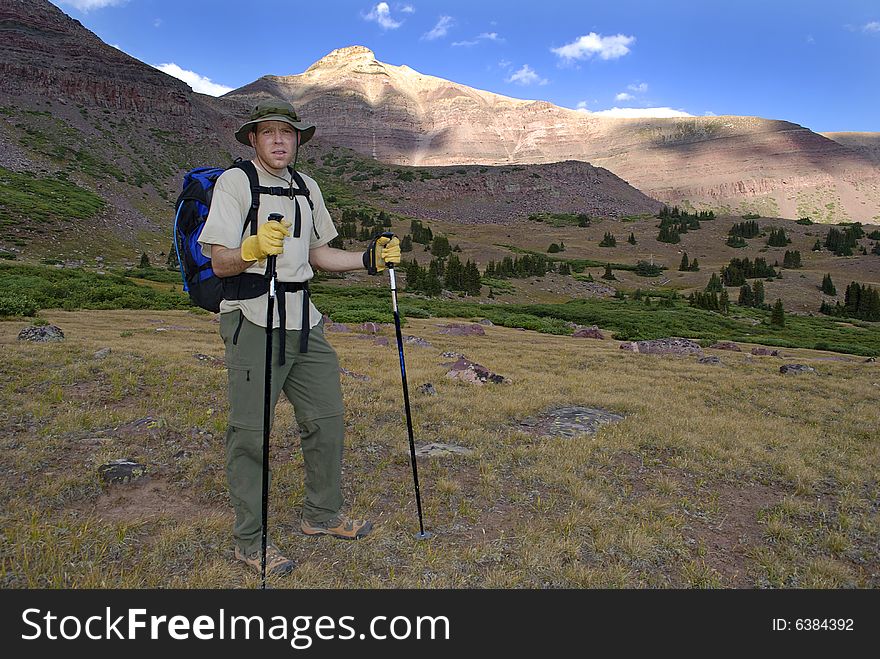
274 111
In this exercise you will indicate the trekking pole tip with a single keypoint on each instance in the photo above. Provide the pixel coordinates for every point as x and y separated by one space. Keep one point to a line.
424 535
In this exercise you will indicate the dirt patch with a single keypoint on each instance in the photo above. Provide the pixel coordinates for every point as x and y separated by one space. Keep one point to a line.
148 499
720 530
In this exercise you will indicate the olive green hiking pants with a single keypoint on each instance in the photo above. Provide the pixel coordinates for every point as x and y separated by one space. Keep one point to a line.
310 381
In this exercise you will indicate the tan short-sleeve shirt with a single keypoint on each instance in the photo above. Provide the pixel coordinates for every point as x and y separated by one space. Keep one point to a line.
229 208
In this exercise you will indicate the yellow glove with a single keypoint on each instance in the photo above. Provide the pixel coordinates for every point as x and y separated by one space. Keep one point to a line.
268 241
383 250
388 251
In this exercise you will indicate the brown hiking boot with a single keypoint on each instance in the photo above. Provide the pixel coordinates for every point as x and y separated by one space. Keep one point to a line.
339 527
276 562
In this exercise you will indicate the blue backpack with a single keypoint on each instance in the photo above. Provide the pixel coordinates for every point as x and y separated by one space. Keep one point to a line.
206 290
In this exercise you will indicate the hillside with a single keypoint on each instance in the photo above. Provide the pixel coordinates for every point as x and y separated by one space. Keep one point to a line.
730 164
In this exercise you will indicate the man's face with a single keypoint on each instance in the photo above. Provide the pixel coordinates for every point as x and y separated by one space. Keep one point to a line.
275 143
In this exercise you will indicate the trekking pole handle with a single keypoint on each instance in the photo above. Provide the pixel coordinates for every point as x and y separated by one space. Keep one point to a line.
271 260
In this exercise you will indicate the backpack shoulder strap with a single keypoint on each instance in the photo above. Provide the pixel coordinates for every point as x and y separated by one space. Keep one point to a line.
254 182
303 188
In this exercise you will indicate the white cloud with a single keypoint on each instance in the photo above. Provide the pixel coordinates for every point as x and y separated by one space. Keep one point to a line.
381 14
157 22
582 106
640 88
526 76
88 5
505 64
623 96
595 44
633 113
873 26
440 29
198 83
485 36
408 9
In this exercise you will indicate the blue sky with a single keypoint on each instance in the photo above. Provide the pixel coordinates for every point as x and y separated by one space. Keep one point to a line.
812 62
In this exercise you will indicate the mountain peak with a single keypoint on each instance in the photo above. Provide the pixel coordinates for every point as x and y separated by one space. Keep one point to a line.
345 57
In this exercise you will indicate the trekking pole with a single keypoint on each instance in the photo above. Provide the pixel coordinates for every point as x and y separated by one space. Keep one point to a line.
271 275
422 534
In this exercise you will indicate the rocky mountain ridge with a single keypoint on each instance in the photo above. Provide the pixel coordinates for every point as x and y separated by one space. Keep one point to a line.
741 164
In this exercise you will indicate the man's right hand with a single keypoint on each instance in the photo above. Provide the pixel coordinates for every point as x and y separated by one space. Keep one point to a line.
268 241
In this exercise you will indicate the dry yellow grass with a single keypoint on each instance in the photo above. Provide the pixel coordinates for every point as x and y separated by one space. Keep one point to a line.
718 476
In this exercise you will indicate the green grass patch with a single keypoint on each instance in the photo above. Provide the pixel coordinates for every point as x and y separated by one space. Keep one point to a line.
52 288
32 200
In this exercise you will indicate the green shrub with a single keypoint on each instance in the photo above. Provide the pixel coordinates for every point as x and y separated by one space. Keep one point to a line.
17 305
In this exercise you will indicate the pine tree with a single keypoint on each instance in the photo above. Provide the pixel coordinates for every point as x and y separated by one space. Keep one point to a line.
817 247
828 285
406 244
440 247
724 302
746 296
777 316
758 288
632 239
695 265
145 260
685 265
714 284
608 240
472 283
608 274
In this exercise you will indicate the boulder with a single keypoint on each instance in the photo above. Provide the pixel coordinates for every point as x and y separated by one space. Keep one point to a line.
416 341
103 353
668 346
765 352
41 333
460 329
726 345
588 333
468 371
795 369
711 359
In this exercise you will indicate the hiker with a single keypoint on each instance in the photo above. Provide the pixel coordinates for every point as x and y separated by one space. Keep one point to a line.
304 365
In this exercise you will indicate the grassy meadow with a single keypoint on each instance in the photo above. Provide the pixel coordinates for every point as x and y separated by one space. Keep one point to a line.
719 476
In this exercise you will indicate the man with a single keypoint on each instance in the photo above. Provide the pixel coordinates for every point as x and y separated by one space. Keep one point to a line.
304 365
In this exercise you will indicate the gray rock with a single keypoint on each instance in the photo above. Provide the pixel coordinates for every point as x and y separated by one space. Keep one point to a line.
41 333
460 329
795 369
669 346
711 359
427 389
103 353
726 345
765 352
381 341
487 322
588 333
570 421
439 449
468 371
121 471
416 341
352 374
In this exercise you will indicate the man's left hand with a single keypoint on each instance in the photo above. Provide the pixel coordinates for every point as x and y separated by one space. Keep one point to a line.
383 250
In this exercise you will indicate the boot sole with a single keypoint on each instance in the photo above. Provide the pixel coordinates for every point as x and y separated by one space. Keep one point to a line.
362 533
